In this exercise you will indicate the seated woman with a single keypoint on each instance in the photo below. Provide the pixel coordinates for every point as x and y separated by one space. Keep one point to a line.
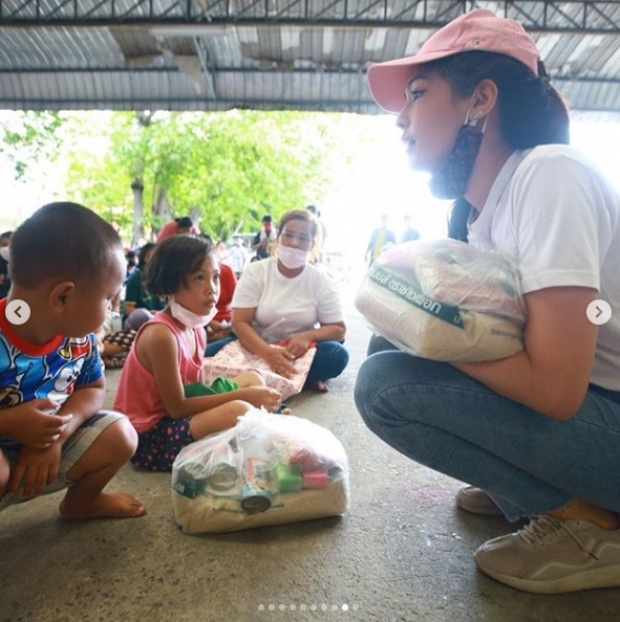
139 304
178 226
285 298
220 327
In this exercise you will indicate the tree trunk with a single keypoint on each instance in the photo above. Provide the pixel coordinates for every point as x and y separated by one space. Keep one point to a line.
144 119
138 212
161 207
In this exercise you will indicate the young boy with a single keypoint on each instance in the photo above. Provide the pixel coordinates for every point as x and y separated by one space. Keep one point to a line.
66 265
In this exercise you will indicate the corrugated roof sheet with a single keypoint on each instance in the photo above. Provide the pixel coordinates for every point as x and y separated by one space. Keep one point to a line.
134 54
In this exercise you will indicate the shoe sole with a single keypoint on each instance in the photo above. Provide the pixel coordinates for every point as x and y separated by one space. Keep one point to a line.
489 510
604 578
480 511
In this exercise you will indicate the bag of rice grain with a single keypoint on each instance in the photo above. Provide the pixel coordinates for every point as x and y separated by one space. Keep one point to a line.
444 300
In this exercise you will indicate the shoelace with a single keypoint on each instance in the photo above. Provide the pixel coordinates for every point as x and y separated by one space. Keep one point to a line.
541 527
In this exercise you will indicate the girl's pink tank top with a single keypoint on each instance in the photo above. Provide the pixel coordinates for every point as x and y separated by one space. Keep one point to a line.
138 396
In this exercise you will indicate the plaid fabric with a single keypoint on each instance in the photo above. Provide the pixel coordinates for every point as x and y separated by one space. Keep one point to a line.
123 338
72 451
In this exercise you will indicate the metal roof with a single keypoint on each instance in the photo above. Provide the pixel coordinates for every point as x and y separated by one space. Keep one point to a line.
268 54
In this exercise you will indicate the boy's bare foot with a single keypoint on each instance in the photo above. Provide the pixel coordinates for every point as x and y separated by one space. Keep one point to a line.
105 505
319 386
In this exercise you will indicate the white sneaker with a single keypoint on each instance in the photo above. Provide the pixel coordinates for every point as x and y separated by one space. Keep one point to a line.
476 501
550 556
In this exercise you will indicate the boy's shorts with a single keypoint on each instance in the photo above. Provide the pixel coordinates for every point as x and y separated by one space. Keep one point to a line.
73 449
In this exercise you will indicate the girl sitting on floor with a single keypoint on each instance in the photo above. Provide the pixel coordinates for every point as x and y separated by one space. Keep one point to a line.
167 357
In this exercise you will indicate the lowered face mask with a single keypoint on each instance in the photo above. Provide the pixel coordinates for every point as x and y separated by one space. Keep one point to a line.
452 179
292 258
189 318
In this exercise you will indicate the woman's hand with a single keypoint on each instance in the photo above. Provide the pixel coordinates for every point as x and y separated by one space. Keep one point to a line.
298 345
280 361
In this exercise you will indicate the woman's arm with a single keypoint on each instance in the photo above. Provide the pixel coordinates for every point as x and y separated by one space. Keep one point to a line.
276 357
325 332
553 372
242 320
299 344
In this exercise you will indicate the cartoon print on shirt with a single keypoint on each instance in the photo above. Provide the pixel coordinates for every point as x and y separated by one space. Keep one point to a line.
24 378
65 381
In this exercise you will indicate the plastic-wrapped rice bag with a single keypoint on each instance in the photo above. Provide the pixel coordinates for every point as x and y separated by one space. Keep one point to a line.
445 300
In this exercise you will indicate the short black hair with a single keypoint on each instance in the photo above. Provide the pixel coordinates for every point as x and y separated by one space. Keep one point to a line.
143 252
5 236
267 218
63 240
130 257
173 260
185 223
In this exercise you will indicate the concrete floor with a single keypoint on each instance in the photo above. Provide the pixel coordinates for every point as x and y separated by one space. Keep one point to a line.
402 553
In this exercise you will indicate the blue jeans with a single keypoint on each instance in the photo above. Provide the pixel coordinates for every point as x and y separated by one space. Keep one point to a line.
213 347
330 359
528 462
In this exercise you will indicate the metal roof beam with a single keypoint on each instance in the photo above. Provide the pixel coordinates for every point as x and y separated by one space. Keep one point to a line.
212 73
200 102
571 16
164 103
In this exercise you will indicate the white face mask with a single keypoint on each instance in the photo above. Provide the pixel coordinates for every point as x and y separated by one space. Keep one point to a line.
188 318
4 253
292 258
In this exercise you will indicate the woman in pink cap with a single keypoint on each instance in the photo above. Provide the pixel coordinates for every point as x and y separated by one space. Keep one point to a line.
537 434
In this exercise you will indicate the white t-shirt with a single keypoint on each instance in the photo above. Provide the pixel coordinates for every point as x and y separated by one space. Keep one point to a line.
558 218
287 306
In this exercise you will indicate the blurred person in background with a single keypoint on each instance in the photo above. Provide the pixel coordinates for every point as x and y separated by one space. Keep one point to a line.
178 226
265 238
5 281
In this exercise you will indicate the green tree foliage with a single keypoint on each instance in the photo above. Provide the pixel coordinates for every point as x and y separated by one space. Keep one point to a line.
28 138
226 170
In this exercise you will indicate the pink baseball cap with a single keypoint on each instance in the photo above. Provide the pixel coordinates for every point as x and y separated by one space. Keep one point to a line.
476 30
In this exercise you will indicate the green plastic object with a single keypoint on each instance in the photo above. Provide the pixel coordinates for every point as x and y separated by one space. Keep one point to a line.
220 385
289 479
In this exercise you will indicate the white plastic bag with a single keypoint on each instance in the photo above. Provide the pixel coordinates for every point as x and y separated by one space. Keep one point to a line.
444 300
267 470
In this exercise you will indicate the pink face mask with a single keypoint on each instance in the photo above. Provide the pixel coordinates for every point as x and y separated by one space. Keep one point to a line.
188 318
292 258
